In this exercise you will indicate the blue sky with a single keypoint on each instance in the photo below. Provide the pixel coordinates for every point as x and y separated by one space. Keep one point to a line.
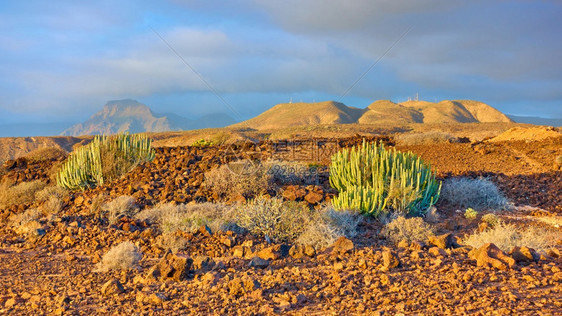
61 61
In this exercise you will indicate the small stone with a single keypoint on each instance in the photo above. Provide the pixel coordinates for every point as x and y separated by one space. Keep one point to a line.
437 252
243 285
403 244
112 287
259 263
342 245
489 255
524 254
314 197
442 241
205 231
338 266
203 263
274 252
157 298
228 241
390 260
10 303
553 252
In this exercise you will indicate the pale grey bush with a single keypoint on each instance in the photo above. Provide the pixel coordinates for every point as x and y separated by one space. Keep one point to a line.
326 226
188 217
121 206
408 229
277 219
479 194
122 256
506 236
241 178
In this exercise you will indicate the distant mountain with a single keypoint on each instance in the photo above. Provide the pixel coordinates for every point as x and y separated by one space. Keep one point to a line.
131 116
302 113
379 112
557 122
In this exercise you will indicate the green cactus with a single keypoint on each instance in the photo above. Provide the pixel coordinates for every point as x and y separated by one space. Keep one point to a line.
100 160
373 179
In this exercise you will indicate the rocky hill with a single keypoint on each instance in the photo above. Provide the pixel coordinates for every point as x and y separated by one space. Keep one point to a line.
302 113
379 112
131 116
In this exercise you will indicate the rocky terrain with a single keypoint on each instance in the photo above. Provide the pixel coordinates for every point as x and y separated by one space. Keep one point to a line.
49 265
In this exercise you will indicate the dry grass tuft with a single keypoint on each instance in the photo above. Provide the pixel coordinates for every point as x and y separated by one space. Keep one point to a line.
279 220
408 229
506 236
22 193
243 178
122 256
171 241
188 218
121 206
327 226
23 218
427 138
479 194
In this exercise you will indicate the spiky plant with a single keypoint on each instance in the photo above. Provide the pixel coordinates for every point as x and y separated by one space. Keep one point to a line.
373 180
105 158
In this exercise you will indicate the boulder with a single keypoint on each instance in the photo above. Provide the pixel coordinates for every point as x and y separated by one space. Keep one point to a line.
489 255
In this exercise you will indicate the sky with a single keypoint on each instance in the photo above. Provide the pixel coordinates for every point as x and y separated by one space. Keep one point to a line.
61 61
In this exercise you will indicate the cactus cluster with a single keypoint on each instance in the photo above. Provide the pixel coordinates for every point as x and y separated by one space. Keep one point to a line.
88 166
367 178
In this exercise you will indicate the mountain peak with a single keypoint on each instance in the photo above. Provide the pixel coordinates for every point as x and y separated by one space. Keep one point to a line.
127 115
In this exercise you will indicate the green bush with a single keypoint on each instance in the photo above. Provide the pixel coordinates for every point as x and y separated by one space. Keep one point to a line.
203 143
104 159
374 180
470 213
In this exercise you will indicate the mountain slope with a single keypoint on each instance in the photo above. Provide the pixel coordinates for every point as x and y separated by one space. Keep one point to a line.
131 116
385 111
302 113
379 112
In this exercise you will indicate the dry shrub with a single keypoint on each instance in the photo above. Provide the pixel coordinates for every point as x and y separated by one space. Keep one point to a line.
479 194
279 220
427 138
122 256
244 178
327 226
23 193
490 219
53 197
51 191
506 236
220 138
171 241
188 217
23 218
121 206
98 203
46 154
408 229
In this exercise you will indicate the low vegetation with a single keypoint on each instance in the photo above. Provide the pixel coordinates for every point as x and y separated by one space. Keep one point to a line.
479 194
188 217
121 206
427 138
374 180
104 159
506 236
122 256
22 193
407 229
244 178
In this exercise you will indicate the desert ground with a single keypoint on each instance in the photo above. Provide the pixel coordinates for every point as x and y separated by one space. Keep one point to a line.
58 247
